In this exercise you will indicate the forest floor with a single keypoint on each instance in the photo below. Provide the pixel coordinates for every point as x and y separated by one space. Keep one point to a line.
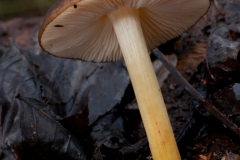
54 108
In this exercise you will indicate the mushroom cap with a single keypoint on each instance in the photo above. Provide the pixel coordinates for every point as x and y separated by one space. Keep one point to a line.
81 29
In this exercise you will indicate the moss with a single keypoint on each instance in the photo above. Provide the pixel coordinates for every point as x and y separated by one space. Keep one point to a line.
13 8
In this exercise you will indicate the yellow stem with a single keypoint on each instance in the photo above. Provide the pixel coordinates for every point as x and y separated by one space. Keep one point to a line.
128 29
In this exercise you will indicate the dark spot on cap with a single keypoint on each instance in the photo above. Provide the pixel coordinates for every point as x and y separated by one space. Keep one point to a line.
75 6
58 25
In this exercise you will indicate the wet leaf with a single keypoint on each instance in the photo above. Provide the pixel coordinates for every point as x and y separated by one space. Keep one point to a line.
64 85
223 67
64 88
30 133
133 151
108 135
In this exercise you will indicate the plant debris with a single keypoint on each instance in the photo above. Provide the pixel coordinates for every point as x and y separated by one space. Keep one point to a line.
54 108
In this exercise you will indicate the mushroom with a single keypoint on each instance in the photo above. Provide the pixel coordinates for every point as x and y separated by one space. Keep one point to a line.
108 30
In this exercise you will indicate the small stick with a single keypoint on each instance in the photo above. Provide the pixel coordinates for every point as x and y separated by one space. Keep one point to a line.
217 5
196 95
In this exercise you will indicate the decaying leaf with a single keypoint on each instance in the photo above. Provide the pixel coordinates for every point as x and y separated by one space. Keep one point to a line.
61 85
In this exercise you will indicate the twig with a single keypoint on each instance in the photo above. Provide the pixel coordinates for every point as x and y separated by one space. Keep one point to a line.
217 5
196 95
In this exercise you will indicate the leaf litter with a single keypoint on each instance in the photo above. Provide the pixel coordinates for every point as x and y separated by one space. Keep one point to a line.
94 103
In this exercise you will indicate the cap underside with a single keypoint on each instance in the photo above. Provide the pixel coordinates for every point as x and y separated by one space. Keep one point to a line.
83 31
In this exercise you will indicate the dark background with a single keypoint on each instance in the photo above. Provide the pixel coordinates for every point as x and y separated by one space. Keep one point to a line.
26 8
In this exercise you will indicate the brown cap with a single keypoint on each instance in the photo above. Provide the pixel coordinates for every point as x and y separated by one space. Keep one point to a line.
81 29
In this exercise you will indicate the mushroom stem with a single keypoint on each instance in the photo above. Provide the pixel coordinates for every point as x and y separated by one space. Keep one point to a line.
127 26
